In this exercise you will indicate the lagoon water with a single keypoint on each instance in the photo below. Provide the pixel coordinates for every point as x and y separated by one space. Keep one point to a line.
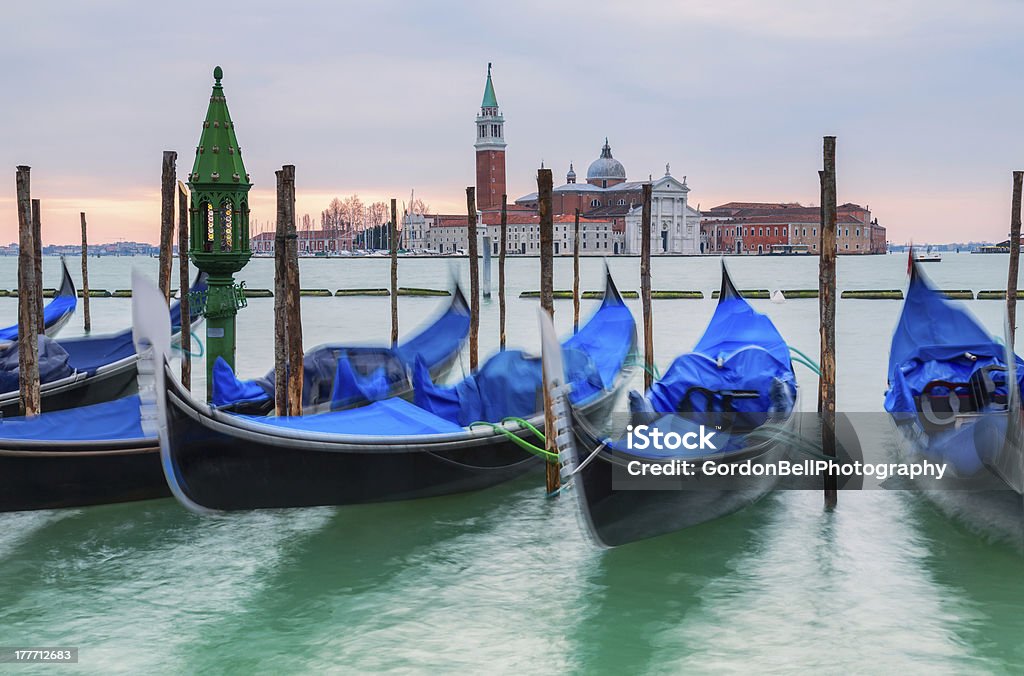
505 580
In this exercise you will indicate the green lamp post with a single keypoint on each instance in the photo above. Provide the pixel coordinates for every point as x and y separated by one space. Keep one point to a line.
219 231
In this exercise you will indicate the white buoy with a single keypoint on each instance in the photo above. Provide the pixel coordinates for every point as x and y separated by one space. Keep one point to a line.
778 297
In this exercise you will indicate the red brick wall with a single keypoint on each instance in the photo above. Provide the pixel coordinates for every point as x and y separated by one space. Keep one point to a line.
490 179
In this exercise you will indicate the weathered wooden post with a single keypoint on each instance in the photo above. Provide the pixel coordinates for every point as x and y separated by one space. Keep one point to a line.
288 322
167 179
295 370
552 480
85 276
37 263
280 301
576 273
486 240
183 288
645 285
394 272
501 271
827 306
28 345
1011 282
474 281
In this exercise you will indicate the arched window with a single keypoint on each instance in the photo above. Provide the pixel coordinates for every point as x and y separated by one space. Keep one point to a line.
226 217
595 203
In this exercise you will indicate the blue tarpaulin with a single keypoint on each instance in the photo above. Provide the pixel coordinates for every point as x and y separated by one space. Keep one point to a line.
509 383
741 350
936 339
370 373
390 417
111 420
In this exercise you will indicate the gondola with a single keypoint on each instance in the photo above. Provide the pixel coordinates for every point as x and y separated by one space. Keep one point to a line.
954 396
80 371
391 449
96 454
337 376
739 381
57 312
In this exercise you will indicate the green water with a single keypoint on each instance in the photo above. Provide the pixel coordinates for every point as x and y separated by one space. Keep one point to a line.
505 580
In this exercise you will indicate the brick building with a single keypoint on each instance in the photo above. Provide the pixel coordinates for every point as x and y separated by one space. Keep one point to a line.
762 228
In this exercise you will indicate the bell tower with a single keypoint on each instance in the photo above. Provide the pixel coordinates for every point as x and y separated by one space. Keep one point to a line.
219 226
490 151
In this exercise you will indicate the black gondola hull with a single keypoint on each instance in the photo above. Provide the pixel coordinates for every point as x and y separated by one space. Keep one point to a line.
76 476
219 466
615 517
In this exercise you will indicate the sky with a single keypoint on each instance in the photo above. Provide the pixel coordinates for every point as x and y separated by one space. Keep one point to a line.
379 99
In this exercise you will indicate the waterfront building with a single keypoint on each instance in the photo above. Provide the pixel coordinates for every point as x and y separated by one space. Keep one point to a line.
754 228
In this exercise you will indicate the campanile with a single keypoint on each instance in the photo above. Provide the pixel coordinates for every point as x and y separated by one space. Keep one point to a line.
490 151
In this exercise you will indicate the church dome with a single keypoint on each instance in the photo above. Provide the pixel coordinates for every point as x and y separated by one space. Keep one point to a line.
606 167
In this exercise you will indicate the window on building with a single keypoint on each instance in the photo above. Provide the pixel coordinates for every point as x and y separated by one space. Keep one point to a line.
622 203
814 233
595 203
483 130
783 232
760 232
857 232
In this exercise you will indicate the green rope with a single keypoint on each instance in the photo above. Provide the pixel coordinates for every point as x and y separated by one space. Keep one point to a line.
199 343
635 361
808 362
811 366
527 424
521 443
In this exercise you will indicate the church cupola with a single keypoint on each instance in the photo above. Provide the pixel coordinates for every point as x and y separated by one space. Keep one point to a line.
606 171
570 178
490 150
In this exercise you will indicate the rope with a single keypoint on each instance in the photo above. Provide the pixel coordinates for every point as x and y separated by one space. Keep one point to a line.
522 443
199 343
653 370
527 424
807 361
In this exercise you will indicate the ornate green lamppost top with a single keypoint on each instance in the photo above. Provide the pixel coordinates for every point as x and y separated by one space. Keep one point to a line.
219 231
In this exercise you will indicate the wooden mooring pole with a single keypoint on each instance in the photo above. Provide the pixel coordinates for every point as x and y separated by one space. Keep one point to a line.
827 306
645 286
37 266
576 273
552 479
394 272
85 276
183 288
502 251
167 179
287 318
1012 279
474 281
28 345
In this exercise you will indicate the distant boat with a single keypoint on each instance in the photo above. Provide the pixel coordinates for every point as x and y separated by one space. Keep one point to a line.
927 256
